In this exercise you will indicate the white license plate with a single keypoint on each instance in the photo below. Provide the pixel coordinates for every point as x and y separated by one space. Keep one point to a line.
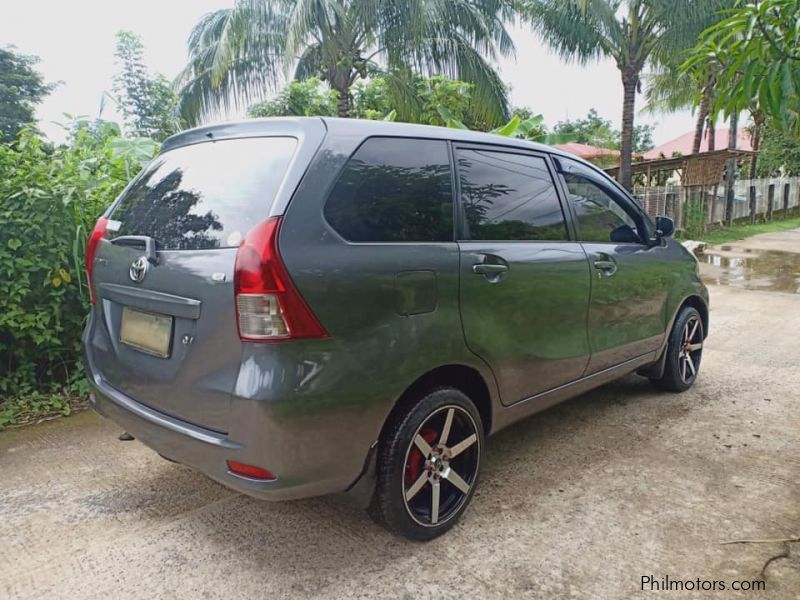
146 331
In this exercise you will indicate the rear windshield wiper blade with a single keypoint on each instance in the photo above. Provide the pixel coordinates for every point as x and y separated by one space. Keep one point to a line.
135 240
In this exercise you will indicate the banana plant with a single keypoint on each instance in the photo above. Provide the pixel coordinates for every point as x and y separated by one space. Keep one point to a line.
516 128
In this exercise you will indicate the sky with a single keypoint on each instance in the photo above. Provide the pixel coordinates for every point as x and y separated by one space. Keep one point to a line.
75 41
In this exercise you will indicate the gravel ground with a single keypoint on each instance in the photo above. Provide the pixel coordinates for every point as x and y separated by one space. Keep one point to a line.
581 501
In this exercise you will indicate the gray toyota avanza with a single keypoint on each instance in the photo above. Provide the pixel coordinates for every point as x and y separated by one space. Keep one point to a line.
302 306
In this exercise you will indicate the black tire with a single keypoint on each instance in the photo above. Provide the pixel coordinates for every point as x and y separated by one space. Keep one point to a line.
408 480
683 354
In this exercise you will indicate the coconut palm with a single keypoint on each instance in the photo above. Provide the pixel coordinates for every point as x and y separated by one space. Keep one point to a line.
238 55
669 89
634 33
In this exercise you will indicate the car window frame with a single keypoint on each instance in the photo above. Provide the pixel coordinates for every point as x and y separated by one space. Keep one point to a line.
644 226
460 218
346 163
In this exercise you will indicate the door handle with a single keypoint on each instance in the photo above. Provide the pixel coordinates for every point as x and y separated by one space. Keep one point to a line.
489 269
606 267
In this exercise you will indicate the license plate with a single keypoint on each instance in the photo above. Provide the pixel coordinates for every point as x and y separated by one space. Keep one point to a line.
146 331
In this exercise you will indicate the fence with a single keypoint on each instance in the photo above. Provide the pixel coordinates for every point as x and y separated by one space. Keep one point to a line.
697 208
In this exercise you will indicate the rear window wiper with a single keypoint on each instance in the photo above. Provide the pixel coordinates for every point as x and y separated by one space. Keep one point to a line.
149 244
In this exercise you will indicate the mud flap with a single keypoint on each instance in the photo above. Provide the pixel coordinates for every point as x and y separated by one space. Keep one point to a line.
656 369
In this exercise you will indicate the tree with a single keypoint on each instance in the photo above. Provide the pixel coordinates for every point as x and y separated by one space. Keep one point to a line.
301 99
754 54
374 99
634 33
593 130
597 131
780 150
239 54
148 103
21 89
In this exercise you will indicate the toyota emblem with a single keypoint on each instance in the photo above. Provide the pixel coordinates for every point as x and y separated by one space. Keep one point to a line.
138 269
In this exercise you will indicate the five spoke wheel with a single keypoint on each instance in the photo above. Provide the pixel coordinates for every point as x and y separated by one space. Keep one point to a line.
441 465
691 349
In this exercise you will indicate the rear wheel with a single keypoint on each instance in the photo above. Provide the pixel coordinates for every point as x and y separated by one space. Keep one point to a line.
428 465
684 351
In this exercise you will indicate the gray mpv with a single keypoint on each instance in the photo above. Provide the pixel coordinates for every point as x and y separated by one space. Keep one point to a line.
304 306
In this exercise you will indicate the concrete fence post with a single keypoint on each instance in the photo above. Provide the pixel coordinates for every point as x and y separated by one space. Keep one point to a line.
785 200
770 200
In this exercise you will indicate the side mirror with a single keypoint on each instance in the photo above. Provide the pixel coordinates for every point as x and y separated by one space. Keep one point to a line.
665 227
624 234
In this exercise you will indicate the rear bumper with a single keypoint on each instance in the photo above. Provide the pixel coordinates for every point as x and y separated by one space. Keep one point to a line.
205 450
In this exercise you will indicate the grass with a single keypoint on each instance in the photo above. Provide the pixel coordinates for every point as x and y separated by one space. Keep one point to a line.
737 232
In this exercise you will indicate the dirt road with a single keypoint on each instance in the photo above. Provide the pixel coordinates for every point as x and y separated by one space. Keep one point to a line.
581 501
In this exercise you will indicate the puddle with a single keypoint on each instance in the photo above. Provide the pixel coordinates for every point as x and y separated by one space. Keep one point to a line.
766 271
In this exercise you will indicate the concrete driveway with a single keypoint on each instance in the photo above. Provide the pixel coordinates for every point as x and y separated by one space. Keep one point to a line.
581 501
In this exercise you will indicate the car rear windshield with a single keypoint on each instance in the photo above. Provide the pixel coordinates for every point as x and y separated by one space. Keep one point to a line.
206 195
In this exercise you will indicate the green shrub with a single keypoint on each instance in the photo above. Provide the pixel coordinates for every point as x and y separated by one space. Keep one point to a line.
49 199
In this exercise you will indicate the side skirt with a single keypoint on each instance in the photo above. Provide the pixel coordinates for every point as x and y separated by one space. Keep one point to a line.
505 416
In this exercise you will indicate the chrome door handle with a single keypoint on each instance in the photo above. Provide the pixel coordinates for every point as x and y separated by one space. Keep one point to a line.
607 267
489 269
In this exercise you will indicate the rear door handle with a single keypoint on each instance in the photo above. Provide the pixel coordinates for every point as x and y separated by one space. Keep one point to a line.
489 269
607 267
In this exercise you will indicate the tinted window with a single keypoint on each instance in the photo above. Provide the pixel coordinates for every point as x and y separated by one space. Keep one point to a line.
509 196
205 195
394 190
598 213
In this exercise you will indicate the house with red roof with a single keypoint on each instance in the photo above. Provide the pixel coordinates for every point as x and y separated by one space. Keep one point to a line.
683 145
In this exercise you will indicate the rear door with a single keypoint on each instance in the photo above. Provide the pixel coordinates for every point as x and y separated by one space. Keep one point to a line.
164 331
631 278
524 284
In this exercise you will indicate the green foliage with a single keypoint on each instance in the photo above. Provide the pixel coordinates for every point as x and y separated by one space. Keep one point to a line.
148 103
21 89
238 54
597 131
49 199
593 130
531 128
300 98
375 99
779 153
753 56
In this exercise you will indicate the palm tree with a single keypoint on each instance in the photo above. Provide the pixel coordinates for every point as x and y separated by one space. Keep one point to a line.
237 55
670 89
634 33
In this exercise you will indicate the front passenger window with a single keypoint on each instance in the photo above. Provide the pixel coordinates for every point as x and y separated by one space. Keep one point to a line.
598 213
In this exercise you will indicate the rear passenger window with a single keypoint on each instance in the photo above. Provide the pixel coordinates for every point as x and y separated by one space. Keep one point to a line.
394 190
509 196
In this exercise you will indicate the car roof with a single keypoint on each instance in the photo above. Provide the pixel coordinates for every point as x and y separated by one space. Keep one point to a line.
349 127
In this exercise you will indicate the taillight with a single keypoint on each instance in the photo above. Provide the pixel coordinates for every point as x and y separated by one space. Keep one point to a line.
97 234
268 306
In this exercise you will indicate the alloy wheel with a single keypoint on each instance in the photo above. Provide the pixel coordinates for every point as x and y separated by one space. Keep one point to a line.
690 350
441 466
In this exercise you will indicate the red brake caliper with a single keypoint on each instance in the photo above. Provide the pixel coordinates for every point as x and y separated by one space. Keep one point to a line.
415 458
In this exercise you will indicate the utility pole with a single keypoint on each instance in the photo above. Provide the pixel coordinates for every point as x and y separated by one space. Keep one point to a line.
730 169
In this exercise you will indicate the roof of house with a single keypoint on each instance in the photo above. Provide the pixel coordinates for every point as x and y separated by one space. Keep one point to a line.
586 151
683 144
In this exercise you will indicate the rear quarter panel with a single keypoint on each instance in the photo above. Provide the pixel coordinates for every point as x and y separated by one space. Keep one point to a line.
348 384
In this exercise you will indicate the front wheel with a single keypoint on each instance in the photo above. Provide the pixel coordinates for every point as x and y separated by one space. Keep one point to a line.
428 465
684 351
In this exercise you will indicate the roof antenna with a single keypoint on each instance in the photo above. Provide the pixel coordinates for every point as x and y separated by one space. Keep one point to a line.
209 135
